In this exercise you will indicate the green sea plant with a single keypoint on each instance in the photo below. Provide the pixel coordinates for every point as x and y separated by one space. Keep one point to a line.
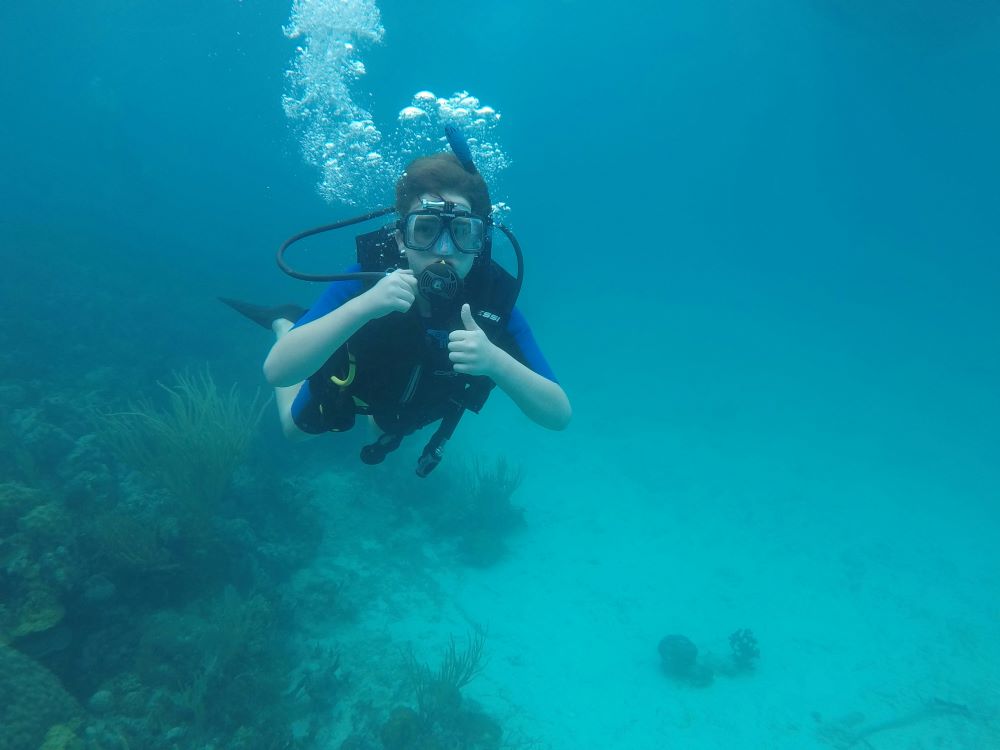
492 488
474 509
489 516
192 446
443 719
239 664
218 667
440 691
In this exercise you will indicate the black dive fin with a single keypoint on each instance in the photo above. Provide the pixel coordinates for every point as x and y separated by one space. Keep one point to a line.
264 316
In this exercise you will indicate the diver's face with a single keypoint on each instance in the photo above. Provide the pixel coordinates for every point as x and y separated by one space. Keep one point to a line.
444 249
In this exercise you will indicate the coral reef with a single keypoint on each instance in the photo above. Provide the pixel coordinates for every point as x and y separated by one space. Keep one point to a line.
152 595
126 542
32 704
36 567
146 574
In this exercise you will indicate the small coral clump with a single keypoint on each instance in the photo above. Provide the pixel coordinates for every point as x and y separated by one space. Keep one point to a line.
679 659
745 651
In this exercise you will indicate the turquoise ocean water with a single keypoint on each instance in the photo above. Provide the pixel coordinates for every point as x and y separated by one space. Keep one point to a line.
761 251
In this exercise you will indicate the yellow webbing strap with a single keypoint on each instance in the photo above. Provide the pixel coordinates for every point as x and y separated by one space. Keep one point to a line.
352 369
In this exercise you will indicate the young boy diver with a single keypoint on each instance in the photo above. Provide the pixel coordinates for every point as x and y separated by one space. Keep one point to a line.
428 339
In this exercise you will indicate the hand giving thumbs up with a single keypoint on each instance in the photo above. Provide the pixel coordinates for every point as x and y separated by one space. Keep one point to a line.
470 350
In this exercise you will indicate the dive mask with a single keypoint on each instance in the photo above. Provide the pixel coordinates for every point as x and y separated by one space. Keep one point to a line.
421 229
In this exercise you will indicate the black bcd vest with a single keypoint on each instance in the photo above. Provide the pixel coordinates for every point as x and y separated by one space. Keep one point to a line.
396 368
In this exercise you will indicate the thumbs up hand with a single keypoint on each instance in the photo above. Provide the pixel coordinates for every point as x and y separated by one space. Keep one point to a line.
470 350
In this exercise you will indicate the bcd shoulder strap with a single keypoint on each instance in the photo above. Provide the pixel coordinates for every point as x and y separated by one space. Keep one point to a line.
377 251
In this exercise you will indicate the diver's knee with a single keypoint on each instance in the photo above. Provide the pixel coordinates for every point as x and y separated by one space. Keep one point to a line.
292 431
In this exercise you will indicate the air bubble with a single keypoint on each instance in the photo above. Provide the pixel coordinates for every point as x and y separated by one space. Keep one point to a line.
338 136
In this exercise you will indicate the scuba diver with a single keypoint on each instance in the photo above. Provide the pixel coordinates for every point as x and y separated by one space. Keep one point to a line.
420 330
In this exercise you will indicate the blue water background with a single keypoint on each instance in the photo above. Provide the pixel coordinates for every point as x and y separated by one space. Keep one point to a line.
762 239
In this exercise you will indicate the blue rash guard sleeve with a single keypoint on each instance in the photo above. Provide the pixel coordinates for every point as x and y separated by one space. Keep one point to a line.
531 355
339 292
306 411
335 295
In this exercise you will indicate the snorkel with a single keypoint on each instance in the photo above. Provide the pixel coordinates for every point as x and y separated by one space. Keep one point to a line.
460 147
439 283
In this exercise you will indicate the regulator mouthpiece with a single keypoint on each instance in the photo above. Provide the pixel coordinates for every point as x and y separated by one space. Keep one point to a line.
439 282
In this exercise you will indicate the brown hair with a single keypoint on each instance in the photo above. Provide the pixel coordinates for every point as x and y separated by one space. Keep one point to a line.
437 173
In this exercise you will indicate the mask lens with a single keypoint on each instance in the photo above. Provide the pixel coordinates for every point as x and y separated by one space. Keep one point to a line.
422 231
468 233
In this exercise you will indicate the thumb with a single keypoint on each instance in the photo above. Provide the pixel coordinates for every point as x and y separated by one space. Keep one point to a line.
467 321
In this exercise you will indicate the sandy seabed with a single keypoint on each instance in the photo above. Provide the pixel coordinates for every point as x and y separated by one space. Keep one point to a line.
877 628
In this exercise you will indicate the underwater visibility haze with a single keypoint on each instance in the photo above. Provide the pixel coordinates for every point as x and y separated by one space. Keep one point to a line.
761 256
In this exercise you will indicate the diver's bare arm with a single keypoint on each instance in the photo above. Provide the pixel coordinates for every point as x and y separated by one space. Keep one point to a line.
541 400
302 351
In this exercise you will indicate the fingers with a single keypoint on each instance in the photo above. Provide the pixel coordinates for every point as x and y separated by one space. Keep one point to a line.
403 278
464 364
461 341
401 289
465 357
472 348
401 298
401 304
404 292
406 276
462 348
